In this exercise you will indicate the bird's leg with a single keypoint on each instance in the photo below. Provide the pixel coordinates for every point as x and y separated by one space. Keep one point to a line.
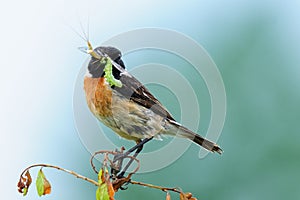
139 143
138 147
138 150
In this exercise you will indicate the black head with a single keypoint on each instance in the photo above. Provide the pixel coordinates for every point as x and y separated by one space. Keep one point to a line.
96 68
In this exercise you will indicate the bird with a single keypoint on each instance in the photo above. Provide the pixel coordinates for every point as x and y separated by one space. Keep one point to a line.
122 103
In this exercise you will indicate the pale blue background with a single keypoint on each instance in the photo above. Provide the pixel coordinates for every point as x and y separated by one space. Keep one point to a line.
255 44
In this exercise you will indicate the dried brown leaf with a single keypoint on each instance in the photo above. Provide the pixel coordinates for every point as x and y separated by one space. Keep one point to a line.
188 195
182 196
24 183
29 179
104 178
47 187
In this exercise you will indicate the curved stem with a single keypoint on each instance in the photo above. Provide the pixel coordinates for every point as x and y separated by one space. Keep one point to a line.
64 170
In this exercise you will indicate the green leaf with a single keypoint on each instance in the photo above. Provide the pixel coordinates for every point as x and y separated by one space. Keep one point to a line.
102 192
40 183
43 186
25 191
100 175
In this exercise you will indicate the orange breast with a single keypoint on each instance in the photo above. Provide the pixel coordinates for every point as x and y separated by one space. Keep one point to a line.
98 96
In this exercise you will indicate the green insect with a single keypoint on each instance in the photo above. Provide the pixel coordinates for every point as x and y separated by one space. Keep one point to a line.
108 73
104 59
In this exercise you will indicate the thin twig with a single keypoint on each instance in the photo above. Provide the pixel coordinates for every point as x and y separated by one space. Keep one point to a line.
64 170
164 189
100 152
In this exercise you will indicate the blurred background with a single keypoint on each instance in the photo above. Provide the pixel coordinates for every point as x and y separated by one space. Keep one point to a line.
255 45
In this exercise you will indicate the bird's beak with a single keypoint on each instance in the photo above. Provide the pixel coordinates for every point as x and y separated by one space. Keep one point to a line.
89 50
92 52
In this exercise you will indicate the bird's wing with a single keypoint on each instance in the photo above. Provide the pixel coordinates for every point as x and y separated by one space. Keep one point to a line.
135 91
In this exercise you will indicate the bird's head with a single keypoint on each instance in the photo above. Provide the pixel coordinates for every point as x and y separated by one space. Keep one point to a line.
95 66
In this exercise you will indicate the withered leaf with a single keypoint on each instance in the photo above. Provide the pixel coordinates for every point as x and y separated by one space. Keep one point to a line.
105 191
29 179
43 186
182 196
188 195
24 183
111 191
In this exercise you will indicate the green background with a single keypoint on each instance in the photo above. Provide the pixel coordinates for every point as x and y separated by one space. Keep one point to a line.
255 45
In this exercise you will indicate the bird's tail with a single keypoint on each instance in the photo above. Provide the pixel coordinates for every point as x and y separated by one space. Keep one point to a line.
177 129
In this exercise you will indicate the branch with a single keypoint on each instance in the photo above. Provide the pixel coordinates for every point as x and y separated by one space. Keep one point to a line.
164 189
107 183
61 169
